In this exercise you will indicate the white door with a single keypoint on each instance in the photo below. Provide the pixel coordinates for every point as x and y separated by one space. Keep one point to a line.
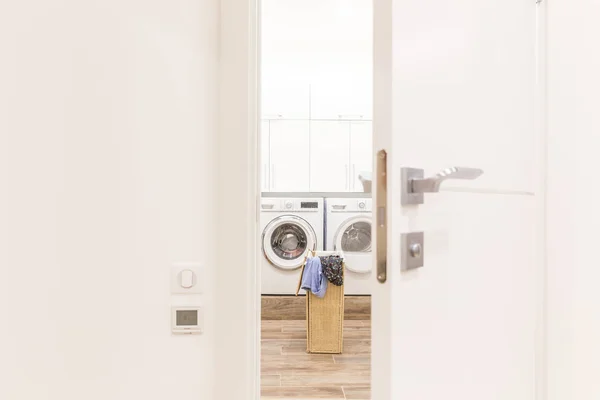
361 152
289 142
329 156
455 85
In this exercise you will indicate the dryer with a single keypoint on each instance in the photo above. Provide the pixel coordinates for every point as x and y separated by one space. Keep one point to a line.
348 228
290 228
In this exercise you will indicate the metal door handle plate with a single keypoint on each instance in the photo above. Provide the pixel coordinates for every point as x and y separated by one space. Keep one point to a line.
413 251
414 183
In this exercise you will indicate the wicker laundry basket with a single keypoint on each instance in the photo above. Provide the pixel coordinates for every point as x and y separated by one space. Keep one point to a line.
325 321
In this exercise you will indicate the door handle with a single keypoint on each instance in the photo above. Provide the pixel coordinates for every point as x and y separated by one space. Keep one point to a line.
381 217
347 179
350 116
265 181
272 177
414 184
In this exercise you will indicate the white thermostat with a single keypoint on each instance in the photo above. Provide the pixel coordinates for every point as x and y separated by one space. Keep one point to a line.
187 320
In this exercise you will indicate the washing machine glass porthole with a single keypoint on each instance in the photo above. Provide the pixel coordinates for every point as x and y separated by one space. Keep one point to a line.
357 237
289 241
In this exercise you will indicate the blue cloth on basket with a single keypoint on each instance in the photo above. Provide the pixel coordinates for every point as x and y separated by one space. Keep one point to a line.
313 279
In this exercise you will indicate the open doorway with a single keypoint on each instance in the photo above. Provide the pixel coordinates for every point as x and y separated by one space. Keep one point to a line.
316 163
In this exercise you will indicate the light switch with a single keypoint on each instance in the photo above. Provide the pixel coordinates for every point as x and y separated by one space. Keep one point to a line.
186 278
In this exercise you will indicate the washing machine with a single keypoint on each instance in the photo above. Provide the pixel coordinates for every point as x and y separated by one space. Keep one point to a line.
348 229
290 229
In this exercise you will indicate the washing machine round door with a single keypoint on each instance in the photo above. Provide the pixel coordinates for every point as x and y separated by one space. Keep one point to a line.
287 240
353 237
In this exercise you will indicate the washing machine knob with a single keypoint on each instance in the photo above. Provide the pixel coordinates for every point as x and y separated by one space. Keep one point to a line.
362 205
289 205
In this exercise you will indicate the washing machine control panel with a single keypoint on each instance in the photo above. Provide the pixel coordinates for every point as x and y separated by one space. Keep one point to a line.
291 205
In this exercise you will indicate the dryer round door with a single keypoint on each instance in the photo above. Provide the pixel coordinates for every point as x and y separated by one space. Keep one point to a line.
352 237
286 241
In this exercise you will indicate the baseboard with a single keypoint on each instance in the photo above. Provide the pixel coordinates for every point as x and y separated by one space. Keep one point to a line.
294 307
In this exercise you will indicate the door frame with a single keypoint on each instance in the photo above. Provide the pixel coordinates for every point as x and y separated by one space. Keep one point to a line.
239 172
541 166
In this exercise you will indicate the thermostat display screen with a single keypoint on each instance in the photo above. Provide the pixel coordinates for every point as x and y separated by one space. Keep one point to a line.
187 317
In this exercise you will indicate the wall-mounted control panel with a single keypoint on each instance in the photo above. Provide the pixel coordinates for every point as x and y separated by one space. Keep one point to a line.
186 320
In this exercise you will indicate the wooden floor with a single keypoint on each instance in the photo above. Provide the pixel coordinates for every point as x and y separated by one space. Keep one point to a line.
283 307
288 372
294 307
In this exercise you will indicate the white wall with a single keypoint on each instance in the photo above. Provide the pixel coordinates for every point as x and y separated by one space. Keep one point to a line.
108 111
573 200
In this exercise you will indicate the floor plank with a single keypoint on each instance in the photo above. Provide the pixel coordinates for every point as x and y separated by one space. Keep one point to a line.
299 334
351 359
326 378
355 346
357 332
327 369
270 349
357 392
323 392
270 380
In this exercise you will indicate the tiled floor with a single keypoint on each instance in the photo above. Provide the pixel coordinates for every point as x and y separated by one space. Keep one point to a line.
288 372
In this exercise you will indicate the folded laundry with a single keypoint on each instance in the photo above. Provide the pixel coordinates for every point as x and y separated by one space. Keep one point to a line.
333 269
